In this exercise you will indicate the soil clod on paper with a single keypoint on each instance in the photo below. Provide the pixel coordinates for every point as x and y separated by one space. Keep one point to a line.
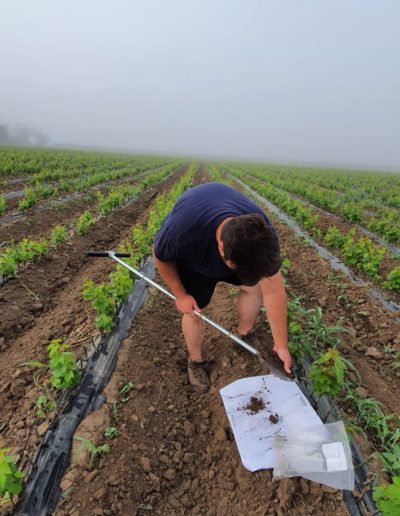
255 405
274 418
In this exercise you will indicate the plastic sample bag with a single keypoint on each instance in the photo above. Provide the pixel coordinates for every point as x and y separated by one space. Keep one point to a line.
320 453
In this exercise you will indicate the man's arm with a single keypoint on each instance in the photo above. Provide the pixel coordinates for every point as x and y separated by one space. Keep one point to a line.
167 270
275 303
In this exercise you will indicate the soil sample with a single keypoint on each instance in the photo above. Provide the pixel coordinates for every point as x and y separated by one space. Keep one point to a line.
255 405
274 418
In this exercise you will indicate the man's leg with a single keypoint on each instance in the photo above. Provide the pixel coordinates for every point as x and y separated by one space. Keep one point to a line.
193 330
248 305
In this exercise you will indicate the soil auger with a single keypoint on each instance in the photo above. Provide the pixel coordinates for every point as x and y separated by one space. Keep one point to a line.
266 366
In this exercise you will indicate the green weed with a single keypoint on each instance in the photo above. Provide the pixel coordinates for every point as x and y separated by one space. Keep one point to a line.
10 477
93 450
28 200
59 235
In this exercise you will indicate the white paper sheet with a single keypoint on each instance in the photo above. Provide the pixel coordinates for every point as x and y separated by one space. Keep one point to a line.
254 432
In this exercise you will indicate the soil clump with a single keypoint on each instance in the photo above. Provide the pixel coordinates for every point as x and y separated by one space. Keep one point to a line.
255 405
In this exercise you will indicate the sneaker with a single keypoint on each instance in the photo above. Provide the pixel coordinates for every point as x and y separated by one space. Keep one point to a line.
199 375
250 338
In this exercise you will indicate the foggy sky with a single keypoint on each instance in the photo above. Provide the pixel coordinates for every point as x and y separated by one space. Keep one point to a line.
278 80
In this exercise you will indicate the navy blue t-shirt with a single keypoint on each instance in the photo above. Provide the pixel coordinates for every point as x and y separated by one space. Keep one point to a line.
187 235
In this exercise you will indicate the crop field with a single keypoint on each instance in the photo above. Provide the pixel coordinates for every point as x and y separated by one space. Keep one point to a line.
97 416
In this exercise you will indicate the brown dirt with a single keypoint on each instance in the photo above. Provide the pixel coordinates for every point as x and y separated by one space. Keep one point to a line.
31 293
11 206
367 322
337 216
57 311
255 405
325 221
12 187
36 225
175 451
388 264
274 418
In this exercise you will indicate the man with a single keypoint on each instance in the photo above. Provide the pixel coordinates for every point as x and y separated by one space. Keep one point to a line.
214 233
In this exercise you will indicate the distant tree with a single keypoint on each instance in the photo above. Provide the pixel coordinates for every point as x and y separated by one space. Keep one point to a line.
22 135
4 133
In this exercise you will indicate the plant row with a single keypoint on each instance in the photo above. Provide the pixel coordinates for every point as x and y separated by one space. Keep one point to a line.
373 188
360 253
334 376
383 221
49 162
16 256
61 371
106 297
32 196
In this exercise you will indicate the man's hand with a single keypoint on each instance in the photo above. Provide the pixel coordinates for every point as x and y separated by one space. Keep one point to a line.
284 355
186 304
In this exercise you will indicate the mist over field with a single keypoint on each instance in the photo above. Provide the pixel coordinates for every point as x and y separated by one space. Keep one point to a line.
298 81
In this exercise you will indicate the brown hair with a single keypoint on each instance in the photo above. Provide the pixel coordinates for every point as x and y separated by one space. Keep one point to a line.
252 245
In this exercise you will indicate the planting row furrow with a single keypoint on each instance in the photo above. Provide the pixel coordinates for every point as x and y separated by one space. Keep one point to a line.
48 163
334 376
60 370
372 188
383 221
88 195
32 195
16 256
359 253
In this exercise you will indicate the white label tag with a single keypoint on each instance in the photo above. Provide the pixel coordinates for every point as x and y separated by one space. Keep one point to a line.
335 456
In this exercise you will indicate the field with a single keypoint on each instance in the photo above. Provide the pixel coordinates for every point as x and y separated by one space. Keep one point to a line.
142 441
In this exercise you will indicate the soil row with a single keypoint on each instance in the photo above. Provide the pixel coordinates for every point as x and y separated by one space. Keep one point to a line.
392 248
46 303
38 224
12 184
59 202
372 330
175 451
325 220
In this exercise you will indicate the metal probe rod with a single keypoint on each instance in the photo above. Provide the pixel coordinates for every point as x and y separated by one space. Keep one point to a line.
232 336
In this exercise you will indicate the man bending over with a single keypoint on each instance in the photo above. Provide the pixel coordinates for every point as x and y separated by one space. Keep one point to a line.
214 233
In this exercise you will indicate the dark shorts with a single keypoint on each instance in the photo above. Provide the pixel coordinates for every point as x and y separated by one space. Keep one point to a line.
201 287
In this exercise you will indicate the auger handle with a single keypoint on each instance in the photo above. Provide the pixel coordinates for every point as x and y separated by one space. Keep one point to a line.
106 254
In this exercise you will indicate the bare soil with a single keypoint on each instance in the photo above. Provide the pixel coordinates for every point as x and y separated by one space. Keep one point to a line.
45 302
175 451
337 216
11 186
32 220
38 224
389 262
